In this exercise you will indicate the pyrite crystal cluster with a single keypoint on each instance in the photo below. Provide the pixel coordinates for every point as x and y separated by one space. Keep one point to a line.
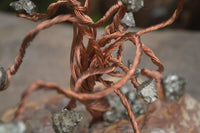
24 5
174 87
118 111
3 78
65 121
148 91
132 6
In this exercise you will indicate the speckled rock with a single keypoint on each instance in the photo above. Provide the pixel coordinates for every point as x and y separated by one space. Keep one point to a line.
65 121
163 117
180 117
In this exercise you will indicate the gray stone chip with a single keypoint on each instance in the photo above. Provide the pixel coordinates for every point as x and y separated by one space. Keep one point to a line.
148 91
128 20
138 108
25 5
174 87
132 96
17 127
65 121
133 5
118 111
109 116
3 78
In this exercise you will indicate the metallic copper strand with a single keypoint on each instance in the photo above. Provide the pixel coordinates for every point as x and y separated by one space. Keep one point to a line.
90 62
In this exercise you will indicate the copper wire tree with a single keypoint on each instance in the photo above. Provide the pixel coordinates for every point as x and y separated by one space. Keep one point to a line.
89 62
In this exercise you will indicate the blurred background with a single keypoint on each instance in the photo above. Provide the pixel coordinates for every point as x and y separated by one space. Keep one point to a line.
155 11
47 59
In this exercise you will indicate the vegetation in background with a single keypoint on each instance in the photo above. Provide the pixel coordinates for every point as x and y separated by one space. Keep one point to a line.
4 5
41 4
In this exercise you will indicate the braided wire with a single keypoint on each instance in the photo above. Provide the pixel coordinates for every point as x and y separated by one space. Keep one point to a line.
90 62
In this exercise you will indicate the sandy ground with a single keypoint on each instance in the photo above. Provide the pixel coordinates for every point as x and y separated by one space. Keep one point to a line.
47 58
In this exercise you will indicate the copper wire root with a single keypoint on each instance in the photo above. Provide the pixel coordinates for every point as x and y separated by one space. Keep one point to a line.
91 61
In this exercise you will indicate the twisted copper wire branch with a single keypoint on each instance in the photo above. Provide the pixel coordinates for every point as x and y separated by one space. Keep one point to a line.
164 24
89 63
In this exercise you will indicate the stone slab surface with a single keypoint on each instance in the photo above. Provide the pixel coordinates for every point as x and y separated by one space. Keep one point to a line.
163 117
